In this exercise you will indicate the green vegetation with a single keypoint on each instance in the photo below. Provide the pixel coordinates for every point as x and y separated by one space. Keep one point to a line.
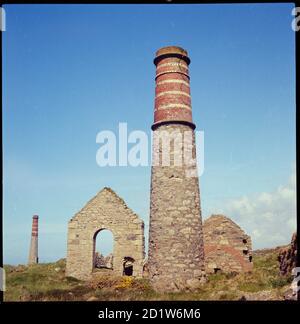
47 282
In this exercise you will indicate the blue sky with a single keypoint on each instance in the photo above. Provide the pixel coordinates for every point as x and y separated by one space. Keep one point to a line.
70 71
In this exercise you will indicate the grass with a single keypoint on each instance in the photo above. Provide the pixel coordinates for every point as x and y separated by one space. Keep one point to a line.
37 281
47 282
265 275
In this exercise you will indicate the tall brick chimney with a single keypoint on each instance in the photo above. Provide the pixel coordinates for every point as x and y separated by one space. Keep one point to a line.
33 252
176 253
172 100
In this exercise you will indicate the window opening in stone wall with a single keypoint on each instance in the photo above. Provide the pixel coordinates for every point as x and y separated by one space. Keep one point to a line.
103 252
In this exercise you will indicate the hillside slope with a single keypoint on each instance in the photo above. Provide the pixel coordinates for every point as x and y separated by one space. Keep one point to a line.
47 282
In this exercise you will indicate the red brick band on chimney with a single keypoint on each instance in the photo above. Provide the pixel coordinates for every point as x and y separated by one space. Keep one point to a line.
172 92
35 225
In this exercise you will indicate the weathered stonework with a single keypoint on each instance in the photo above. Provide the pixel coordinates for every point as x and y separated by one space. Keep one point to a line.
102 261
176 253
105 211
287 257
227 247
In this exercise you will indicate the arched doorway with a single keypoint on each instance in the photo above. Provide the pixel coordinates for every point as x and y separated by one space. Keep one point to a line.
103 249
128 266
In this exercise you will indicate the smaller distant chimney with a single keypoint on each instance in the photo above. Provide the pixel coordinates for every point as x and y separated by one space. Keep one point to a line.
33 252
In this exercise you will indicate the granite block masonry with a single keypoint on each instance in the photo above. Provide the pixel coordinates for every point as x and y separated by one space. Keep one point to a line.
227 247
33 251
105 211
176 251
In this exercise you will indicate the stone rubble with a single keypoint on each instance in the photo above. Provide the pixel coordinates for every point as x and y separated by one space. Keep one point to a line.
287 257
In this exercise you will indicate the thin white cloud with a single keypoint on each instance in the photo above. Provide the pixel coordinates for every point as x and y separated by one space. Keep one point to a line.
268 217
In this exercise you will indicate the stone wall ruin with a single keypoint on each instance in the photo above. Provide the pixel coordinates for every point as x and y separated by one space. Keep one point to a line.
105 211
227 247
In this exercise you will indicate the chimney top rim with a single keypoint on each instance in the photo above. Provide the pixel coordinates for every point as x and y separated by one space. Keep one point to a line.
171 51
